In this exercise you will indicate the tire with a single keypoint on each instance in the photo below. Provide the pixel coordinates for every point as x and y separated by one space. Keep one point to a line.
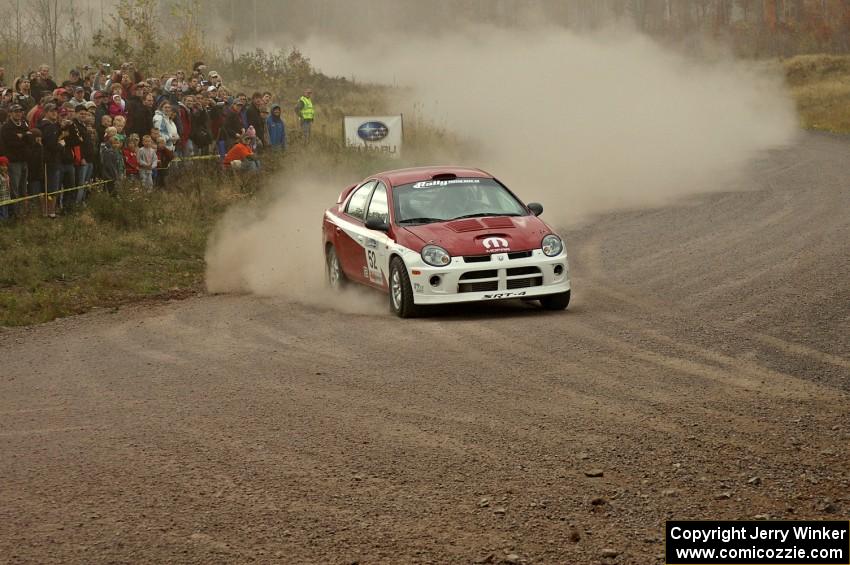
556 301
333 271
401 293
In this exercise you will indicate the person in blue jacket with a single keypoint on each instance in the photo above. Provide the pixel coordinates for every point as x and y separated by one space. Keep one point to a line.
276 129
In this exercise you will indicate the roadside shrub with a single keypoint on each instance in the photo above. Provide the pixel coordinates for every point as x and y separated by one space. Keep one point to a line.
128 208
804 69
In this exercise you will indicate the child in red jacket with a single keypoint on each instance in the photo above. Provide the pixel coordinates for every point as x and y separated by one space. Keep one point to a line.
131 159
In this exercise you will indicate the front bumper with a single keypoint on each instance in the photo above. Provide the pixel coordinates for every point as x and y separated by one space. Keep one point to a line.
499 278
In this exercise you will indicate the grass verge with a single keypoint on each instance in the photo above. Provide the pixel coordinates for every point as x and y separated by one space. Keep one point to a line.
149 245
141 244
820 85
131 246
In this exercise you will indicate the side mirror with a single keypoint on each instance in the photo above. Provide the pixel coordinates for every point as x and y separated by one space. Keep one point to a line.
535 208
377 225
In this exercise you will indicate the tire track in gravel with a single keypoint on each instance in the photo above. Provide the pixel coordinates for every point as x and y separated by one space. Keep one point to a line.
237 428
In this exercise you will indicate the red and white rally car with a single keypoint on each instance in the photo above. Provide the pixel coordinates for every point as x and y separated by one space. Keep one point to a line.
440 235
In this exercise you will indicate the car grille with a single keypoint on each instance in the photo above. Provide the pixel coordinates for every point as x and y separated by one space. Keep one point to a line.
486 274
525 283
515 277
486 258
476 258
477 286
523 271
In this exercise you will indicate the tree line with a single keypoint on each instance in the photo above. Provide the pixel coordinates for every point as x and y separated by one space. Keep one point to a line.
58 32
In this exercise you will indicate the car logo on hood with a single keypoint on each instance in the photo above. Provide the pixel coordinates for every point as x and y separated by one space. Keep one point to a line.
373 131
495 244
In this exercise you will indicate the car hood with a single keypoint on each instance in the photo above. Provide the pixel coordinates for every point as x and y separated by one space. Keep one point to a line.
481 236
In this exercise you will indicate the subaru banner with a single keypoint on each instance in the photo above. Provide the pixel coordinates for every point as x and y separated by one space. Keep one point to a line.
374 133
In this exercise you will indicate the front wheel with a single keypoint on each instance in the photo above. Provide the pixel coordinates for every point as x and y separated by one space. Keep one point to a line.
333 270
401 293
556 301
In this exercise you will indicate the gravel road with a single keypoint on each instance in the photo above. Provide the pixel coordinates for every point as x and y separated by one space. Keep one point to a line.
701 372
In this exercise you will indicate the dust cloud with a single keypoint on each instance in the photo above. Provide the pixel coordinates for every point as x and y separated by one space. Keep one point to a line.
271 246
582 123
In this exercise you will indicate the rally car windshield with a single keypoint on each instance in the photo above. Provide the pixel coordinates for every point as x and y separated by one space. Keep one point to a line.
442 200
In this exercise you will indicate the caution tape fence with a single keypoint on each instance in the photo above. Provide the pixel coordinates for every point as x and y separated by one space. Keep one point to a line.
47 194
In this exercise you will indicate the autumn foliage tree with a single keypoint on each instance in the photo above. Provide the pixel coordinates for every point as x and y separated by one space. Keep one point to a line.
170 34
132 35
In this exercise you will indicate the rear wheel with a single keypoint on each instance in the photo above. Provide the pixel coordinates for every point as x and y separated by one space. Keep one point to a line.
401 293
335 276
556 301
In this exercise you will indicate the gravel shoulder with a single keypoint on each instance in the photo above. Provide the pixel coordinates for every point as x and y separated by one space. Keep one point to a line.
703 369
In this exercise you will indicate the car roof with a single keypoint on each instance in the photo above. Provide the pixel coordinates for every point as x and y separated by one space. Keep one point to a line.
405 176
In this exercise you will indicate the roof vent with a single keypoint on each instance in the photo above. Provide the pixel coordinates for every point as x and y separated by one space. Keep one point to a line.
444 176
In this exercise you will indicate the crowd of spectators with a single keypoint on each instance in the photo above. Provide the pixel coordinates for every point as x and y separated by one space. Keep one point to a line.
115 125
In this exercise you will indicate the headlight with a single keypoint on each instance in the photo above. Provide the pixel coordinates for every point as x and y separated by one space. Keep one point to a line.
435 255
552 245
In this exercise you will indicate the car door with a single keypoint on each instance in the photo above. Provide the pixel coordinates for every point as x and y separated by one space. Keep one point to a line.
350 240
377 243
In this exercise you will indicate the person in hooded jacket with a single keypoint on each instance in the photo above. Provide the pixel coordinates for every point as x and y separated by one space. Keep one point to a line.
167 128
117 106
276 129
170 93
